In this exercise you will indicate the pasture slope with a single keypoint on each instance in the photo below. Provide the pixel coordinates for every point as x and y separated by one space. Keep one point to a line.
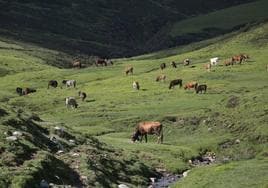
230 120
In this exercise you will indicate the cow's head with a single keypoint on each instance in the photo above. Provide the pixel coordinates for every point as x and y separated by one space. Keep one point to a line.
135 136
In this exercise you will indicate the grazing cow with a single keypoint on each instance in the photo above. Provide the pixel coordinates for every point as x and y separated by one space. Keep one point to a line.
240 58
26 91
201 88
190 85
162 66
129 70
173 64
160 77
19 90
77 64
136 85
228 62
208 67
101 62
71 102
186 62
82 95
214 61
52 83
145 128
69 83
173 83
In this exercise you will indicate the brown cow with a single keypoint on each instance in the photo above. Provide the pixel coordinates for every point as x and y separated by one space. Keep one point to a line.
77 64
190 85
240 58
129 70
150 127
160 77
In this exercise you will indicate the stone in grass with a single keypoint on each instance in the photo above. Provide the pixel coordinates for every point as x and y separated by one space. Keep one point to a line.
11 138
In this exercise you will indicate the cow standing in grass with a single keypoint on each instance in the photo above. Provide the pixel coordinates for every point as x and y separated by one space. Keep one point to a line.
69 83
186 62
52 83
163 66
129 70
71 102
173 83
82 95
201 88
136 85
160 78
150 127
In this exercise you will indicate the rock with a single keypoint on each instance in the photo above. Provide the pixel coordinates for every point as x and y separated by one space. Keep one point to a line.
84 178
237 141
152 180
184 174
122 186
209 129
17 133
60 152
44 184
75 154
11 138
72 141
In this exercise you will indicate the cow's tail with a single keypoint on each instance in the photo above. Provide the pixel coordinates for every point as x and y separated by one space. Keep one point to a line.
161 134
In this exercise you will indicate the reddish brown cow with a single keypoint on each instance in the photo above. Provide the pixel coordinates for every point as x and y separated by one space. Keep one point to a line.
240 58
150 127
228 62
190 85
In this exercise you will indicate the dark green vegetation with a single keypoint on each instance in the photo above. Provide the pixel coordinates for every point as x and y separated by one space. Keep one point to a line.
234 108
122 28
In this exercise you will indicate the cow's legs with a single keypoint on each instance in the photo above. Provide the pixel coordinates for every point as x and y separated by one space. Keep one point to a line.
145 138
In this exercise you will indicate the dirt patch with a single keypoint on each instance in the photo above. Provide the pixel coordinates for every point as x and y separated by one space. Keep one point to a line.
232 102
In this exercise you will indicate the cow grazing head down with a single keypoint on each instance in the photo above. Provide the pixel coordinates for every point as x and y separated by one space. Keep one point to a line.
150 127
71 102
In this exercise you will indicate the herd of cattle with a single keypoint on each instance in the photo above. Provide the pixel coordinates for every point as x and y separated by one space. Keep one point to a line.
143 128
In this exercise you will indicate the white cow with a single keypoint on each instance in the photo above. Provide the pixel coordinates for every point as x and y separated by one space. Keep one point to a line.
214 61
71 102
69 83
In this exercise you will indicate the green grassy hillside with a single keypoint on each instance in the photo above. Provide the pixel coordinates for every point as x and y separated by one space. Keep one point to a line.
234 108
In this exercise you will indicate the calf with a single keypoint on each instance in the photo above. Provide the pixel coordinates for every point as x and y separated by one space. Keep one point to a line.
173 83
190 85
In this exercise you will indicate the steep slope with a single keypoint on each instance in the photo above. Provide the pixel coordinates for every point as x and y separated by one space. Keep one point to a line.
106 28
